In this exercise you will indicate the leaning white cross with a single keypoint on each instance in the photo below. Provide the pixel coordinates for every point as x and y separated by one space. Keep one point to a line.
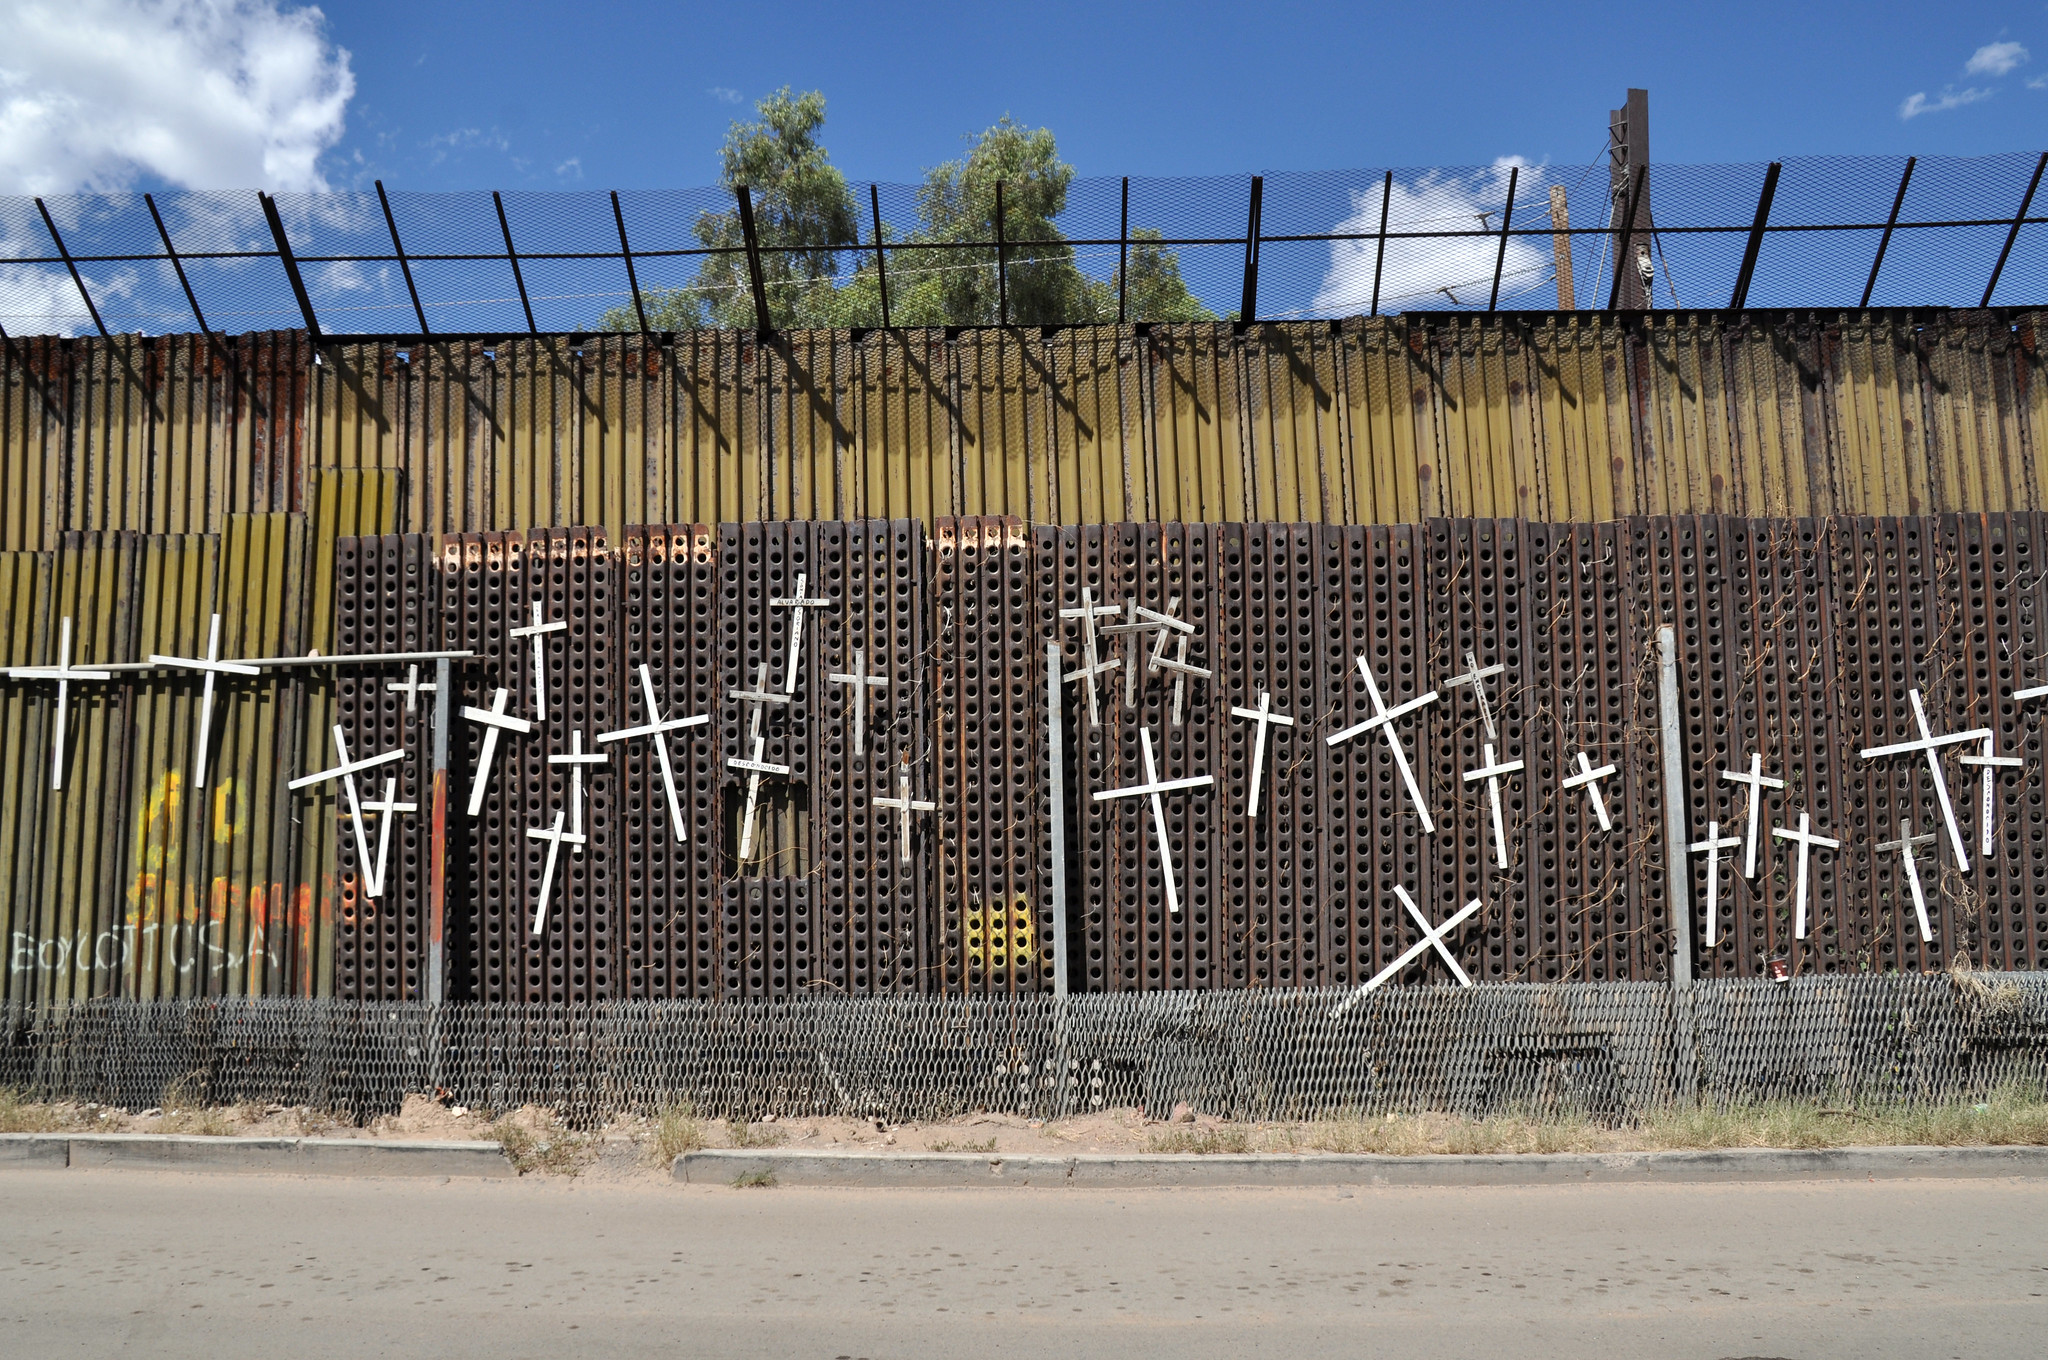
386 809
1090 666
796 604
495 720
1931 745
411 687
1476 676
1152 788
758 698
1432 937
554 836
211 665
1757 781
538 631
1713 845
861 682
1990 764
659 728
1139 621
1181 669
576 760
904 806
1491 772
346 773
1904 845
1807 840
64 673
1383 718
1435 938
1588 778
1264 716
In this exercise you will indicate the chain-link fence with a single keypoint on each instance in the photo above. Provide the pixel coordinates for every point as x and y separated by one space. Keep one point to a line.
1609 1050
1816 231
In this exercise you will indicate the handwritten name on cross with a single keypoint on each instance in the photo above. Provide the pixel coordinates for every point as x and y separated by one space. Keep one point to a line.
1713 845
1384 718
65 674
1990 764
538 631
210 665
1930 745
1432 938
658 728
1152 788
1588 778
861 682
1264 716
346 773
1904 845
1757 782
796 604
1806 841
1477 677
495 720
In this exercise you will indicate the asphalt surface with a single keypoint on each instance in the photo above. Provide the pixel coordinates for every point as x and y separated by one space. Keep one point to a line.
174 1264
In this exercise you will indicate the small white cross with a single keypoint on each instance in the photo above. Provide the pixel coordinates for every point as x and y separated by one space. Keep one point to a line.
1806 842
1152 788
1138 621
1178 664
1757 781
1990 765
796 604
346 773
1090 667
211 665
1264 716
1383 718
538 631
1904 845
1491 772
1476 678
64 673
658 728
861 682
1713 845
554 836
411 687
905 805
758 698
1931 745
1432 937
384 808
576 760
1588 778
495 720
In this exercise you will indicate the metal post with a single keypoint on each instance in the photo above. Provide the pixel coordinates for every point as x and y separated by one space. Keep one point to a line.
1889 222
2019 220
881 259
1002 264
404 265
437 851
177 265
79 278
1380 257
291 265
1123 253
1248 310
1500 257
753 244
513 256
1677 867
1561 247
1635 196
1056 782
1756 238
632 279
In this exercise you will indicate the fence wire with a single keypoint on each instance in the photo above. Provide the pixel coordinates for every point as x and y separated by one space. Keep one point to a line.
1612 1051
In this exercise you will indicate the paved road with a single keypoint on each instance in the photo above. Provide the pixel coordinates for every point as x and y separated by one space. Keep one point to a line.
156 1264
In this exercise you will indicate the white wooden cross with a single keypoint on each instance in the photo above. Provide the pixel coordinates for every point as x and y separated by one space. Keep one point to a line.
1181 669
1713 845
1090 666
1476 678
862 682
346 773
1383 718
211 665
758 698
1432 937
658 728
1588 778
905 806
385 808
1757 781
796 604
538 631
576 760
64 673
1435 938
1264 716
1138 621
1931 745
554 836
1152 788
495 720
1806 841
412 687
1491 772
1990 764
1904 845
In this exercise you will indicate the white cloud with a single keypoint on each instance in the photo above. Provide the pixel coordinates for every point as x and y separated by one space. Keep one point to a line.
1457 269
724 95
465 139
206 94
571 168
2038 83
1951 98
1995 59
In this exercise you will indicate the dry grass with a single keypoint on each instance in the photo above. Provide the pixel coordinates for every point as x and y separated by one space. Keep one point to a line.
676 1131
740 1134
25 1116
948 1145
1207 1141
534 1142
754 1180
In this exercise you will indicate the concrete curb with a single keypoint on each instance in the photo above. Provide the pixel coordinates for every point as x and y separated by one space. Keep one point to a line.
271 1156
950 1170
